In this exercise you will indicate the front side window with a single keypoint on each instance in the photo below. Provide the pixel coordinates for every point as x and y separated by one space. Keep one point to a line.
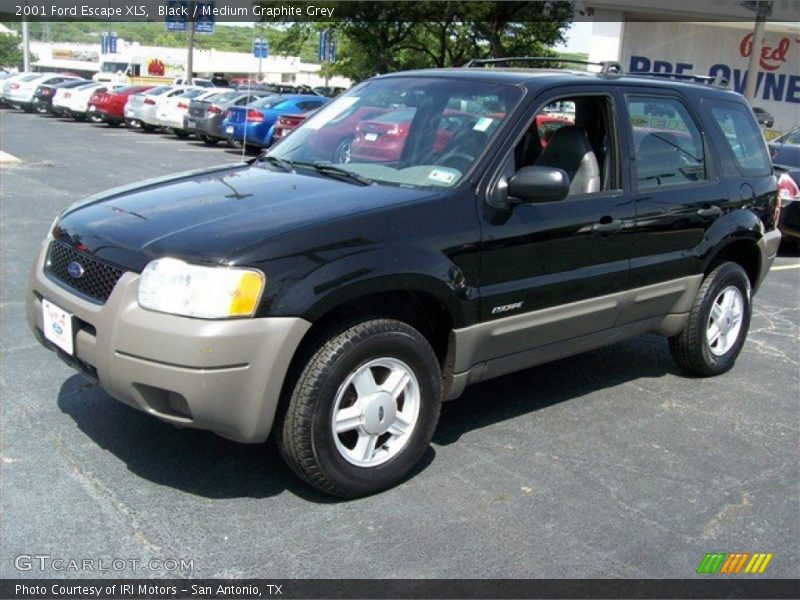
744 139
406 131
667 144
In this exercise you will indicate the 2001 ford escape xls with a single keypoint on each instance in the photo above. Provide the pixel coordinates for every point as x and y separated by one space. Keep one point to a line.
336 289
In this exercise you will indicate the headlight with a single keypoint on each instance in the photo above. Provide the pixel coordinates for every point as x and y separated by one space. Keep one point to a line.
173 286
52 227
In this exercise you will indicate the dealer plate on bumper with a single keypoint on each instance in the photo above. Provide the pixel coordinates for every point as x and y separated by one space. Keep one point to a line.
57 326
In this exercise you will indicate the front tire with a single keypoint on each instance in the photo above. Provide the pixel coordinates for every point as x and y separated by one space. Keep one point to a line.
718 323
363 410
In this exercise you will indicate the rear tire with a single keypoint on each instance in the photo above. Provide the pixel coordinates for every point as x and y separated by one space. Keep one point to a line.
114 123
180 133
209 141
718 323
379 383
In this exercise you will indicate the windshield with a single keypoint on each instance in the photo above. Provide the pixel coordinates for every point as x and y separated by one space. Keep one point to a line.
113 67
224 96
266 102
407 131
793 137
192 93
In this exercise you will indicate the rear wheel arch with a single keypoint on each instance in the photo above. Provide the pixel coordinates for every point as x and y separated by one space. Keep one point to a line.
742 251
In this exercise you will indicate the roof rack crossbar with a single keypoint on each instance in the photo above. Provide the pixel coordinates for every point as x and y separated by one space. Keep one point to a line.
606 66
717 80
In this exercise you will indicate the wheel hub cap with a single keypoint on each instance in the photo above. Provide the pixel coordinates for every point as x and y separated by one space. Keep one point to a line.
379 413
725 320
375 412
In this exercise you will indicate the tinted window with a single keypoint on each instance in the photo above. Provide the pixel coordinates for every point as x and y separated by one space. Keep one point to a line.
743 137
309 104
667 144
793 137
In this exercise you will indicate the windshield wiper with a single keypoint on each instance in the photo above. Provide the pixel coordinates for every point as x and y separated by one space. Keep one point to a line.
327 168
274 160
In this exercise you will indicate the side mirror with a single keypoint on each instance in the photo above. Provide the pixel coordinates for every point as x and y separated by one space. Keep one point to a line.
538 184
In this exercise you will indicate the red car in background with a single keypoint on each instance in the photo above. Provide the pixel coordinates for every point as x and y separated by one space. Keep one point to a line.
547 126
110 106
286 123
381 139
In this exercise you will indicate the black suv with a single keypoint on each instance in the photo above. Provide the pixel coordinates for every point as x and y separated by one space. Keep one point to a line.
422 232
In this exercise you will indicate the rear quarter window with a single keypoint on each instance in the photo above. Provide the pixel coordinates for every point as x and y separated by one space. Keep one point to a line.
744 142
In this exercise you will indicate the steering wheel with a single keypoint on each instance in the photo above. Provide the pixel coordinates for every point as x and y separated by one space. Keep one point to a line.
460 161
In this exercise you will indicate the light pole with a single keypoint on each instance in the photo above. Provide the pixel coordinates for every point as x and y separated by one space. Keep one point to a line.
762 8
26 47
190 46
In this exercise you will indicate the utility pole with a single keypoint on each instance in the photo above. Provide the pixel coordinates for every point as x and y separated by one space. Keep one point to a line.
190 46
762 8
26 47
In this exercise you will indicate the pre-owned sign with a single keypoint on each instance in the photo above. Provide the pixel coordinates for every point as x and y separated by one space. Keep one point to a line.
722 51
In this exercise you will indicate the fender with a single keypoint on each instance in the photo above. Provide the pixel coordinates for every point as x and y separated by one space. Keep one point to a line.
734 226
372 270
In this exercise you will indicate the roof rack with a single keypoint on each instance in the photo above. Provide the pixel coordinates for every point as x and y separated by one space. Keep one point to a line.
606 66
718 80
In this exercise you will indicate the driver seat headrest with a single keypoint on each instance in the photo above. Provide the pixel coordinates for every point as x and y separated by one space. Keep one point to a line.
569 149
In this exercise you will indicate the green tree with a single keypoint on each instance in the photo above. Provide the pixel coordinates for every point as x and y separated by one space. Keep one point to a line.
10 51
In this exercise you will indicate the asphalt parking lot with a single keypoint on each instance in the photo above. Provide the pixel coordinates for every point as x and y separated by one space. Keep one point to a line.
607 464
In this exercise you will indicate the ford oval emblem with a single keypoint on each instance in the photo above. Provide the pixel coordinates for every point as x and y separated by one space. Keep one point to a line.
75 270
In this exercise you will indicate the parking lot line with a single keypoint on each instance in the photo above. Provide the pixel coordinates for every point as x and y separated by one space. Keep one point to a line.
785 267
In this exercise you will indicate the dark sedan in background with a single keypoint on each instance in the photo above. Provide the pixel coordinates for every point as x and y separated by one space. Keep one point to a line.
44 94
785 153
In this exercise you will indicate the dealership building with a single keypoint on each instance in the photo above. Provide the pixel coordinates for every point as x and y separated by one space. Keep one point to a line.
652 35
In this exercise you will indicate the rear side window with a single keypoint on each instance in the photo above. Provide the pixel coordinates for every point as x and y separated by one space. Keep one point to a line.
743 137
667 144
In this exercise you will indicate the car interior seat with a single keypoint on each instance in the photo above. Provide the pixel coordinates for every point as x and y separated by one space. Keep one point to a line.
569 149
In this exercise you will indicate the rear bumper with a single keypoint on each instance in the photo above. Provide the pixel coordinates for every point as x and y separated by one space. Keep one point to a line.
224 376
768 245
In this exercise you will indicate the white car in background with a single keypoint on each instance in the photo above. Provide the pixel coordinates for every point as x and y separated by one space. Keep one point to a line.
7 82
133 107
172 110
75 102
148 113
20 91
195 81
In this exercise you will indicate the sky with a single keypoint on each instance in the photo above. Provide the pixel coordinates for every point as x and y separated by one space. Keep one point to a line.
577 37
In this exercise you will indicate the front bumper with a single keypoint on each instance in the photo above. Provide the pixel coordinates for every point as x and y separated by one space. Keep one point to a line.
224 376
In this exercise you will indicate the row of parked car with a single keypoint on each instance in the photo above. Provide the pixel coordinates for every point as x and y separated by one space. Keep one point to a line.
253 115
257 115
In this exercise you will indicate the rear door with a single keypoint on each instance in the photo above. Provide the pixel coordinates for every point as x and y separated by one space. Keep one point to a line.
678 192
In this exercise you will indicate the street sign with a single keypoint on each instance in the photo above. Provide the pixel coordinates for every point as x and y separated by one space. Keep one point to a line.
112 43
177 11
331 48
322 47
104 42
204 21
260 48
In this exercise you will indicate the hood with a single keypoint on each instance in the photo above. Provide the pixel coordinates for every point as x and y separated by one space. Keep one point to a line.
210 216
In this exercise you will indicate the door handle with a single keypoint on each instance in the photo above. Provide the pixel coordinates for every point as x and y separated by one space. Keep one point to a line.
607 226
710 211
